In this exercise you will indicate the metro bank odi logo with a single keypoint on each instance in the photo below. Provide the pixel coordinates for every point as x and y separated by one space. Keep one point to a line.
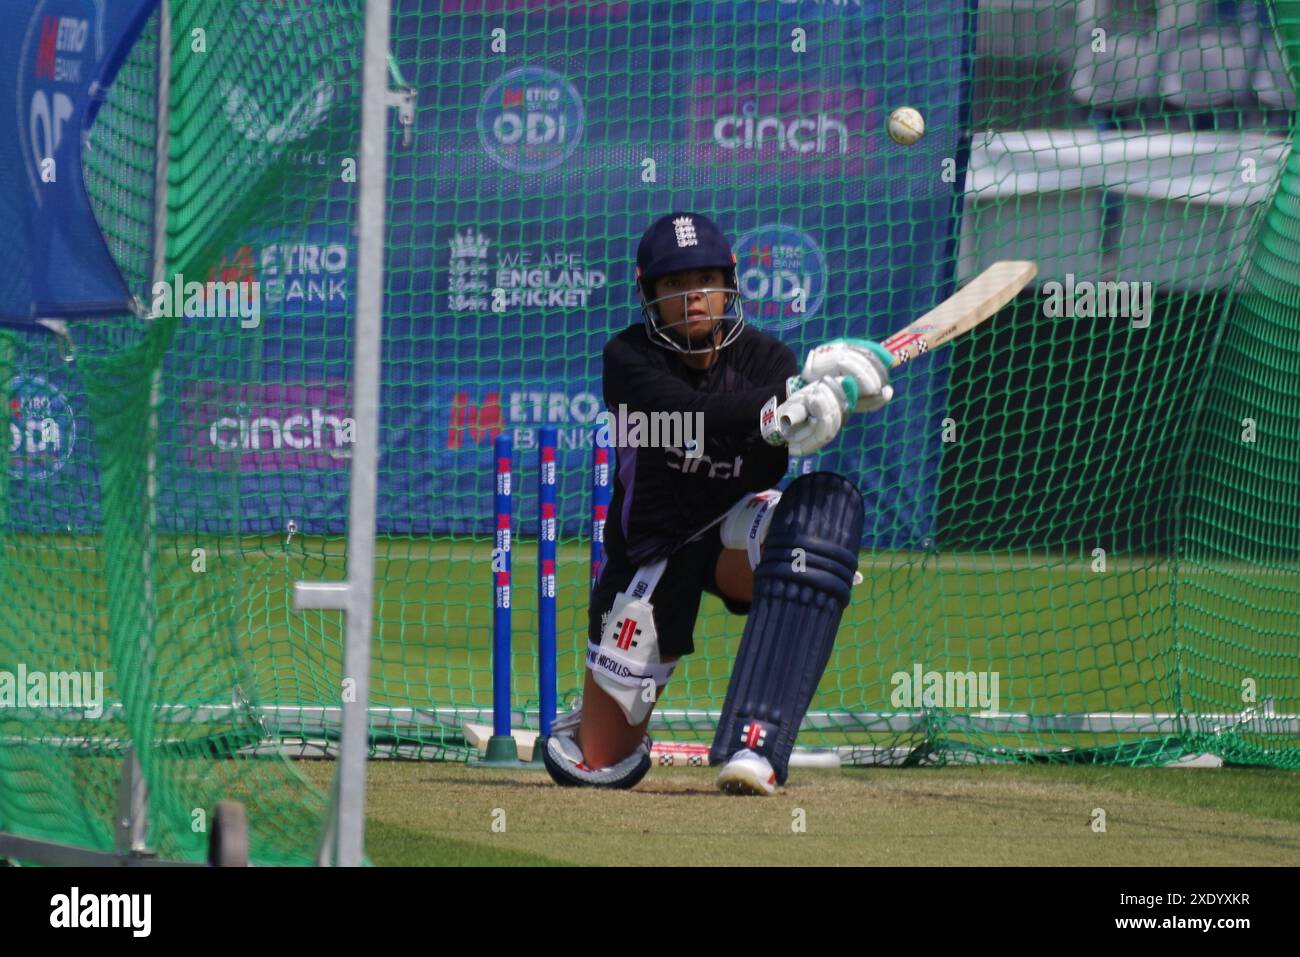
782 275
42 428
62 44
530 120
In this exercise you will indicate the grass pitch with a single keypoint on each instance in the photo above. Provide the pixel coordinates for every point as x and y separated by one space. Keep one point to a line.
448 815
1066 637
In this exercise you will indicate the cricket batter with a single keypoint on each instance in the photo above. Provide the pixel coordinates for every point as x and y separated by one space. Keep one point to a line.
683 521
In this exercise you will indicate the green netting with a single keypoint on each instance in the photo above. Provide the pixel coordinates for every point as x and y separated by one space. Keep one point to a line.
176 623
1115 541
1239 599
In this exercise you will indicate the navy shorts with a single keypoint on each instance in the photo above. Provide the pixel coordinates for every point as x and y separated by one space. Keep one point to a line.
676 599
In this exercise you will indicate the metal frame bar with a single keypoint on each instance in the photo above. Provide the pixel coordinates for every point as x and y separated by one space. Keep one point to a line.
54 854
302 720
354 596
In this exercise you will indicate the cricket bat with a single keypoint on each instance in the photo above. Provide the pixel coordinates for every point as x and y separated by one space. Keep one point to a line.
976 301
961 312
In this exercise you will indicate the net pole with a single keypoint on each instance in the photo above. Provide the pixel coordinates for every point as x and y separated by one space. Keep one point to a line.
133 813
372 180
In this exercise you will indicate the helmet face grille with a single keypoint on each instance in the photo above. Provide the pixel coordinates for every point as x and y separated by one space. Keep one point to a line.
672 335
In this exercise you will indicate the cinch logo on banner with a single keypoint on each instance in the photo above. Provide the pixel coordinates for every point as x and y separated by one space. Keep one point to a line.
787 129
42 428
782 276
478 414
530 120
532 276
270 426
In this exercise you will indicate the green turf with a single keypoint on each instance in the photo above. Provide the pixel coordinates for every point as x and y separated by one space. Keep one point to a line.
1262 792
426 814
1062 637
396 846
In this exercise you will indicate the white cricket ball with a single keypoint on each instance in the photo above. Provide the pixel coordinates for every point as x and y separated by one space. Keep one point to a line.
906 125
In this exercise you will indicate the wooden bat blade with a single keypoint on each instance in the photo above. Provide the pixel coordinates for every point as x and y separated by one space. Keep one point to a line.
976 301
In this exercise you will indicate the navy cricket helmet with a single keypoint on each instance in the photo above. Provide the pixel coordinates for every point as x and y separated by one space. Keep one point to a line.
677 242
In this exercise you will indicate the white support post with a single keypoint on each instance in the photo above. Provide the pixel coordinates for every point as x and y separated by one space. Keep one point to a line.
133 805
355 595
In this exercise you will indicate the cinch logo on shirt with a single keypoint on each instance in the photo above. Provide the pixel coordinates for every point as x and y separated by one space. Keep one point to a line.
677 460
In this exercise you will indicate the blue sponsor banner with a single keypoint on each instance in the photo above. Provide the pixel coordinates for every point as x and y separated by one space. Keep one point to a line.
512 227
470 415
56 59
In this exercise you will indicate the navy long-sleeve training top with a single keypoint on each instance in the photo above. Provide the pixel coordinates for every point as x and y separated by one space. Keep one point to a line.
661 495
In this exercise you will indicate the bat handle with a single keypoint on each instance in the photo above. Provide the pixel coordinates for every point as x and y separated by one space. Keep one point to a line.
793 417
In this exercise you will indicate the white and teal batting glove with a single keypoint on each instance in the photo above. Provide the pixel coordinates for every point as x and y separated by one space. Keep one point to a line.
866 363
811 415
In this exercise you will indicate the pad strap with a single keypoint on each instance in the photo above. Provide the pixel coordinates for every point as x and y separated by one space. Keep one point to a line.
619 668
626 662
646 578
745 523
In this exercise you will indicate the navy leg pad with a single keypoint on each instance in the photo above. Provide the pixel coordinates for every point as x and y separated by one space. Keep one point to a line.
801 588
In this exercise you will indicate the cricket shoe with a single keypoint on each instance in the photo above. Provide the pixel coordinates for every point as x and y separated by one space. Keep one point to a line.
747 772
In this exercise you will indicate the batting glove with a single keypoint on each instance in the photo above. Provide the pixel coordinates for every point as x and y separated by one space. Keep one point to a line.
866 362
